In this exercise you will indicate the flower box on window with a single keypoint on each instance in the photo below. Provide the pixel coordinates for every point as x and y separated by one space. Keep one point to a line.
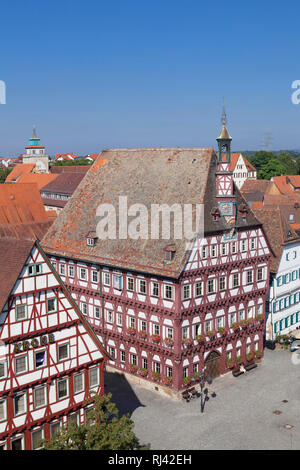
133 368
169 342
186 381
156 339
200 339
188 342
155 376
211 334
244 324
222 331
143 334
167 381
258 353
249 357
235 326
144 372
239 359
230 364
131 331
260 317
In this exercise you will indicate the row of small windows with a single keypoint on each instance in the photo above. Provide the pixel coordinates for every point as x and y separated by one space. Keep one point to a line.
40 360
213 284
40 393
289 277
22 309
286 322
286 302
133 360
38 435
62 197
223 249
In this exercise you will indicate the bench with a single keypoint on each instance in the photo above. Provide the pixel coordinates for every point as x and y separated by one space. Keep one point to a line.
250 366
237 372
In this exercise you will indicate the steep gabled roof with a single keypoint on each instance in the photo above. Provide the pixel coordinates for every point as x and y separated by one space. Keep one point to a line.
234 156
14 254
278 231
146 176
19 171
283 183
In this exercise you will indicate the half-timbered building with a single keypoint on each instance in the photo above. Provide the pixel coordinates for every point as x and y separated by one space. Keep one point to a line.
163 308
50 359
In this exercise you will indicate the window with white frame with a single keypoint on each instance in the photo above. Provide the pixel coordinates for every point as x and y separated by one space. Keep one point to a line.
122 356
51 305
144 363
243 245
207 326
204 251
95 276
169 332
156 329
186 291
185 332
224 249
20 403
78 383
241 314
169 371
21 364
97 311
35 269
143 325
62 269
213 251
40 359
232 318
55 428
252 243
260 274
84 308
249 278
259 309
3 369
220 322
54 264
94 377
156 367
37 438
119 319
211 286
250 312
112 352
83 274
117 281
142 286
71 270
131 322
63 351
62 388
168 292
109 316
233 247
133 359
3 412
21 312
106 279
236 280
154 288
199 288
130 284
222 283
39 397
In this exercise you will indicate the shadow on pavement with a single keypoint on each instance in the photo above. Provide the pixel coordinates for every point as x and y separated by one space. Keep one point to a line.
122 393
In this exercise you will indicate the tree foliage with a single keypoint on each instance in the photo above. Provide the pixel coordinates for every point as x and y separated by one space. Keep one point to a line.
78 161
270 164
105 430
4 172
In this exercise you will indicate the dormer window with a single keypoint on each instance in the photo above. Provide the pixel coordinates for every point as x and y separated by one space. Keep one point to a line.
216 214
91 239
169 253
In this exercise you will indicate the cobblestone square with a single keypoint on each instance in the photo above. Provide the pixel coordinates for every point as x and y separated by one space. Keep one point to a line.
257 410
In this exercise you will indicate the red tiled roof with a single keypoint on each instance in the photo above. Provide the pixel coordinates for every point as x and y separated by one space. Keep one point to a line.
66 156
64 183
234 158
21 203
69 169
19 171
14 254
284 183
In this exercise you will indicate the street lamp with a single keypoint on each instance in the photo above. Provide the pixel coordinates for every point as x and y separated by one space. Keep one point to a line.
203 393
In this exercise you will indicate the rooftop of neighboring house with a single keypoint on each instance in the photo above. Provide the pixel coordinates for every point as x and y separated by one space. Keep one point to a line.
234 159
262 186
24 173
92 156
65 156
69 169
145 176
21 203
278 231
64 183
26 231
287 184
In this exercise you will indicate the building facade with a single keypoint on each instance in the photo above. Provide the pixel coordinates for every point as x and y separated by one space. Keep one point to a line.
50 359
165 311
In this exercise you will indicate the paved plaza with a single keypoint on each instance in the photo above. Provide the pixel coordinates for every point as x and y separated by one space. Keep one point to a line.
239 416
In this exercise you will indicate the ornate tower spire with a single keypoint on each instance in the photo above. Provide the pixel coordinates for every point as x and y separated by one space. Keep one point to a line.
224 139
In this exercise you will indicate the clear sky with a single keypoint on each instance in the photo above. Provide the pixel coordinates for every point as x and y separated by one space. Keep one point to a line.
93 74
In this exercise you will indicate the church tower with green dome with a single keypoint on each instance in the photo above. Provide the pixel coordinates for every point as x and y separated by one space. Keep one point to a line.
35 153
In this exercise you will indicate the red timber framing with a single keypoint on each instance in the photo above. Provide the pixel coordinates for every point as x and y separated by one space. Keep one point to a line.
155 323
50 359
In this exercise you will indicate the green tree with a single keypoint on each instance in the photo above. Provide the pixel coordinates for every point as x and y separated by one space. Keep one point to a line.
4 172
79 161
105 430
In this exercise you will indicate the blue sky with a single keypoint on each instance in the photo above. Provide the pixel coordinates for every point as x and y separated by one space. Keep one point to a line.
97 74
